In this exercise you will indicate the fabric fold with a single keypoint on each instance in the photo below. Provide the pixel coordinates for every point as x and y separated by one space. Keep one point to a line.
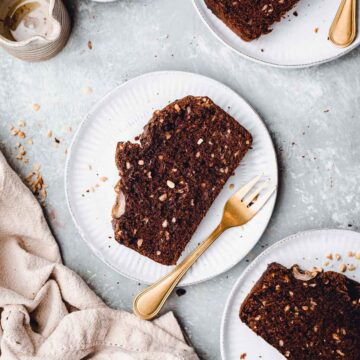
48 311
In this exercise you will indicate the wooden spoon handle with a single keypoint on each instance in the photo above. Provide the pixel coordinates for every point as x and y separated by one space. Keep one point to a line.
343 29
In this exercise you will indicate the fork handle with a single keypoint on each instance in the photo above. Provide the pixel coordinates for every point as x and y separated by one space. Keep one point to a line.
149 302
343 29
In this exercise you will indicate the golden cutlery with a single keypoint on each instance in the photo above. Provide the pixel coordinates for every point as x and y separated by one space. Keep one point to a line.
238 210
343 29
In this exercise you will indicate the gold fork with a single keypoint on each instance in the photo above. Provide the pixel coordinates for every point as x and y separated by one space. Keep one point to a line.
343 29
237 211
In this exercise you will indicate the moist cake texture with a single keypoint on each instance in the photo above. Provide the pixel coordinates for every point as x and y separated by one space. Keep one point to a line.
250 18
169 179
306 316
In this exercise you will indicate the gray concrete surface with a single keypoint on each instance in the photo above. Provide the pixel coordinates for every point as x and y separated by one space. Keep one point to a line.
312 114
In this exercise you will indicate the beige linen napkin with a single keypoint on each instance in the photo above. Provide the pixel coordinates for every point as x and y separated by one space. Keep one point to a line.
48 312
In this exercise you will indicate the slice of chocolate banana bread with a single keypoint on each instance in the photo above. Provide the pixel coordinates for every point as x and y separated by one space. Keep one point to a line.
306 316
250 18
169 180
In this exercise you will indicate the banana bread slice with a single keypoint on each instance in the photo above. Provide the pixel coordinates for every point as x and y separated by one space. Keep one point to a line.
169 180
306 316
250 18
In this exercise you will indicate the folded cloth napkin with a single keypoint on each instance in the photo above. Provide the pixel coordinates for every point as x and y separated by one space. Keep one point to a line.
48 312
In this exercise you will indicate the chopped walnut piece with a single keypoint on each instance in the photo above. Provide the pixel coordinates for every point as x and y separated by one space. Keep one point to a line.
342 267
340 353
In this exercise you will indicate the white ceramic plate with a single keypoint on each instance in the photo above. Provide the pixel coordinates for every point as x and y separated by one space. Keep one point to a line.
293 43
121 115
307 249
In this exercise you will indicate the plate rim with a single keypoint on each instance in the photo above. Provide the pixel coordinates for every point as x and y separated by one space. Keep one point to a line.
353 46
87 118
255 262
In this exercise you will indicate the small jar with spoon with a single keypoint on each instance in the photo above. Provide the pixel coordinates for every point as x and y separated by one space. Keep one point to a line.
33 30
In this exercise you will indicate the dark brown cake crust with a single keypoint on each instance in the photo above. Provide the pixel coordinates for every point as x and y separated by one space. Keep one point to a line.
250 18
186 153
306 319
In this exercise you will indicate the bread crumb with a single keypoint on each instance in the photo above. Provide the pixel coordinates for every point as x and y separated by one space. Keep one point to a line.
88 90
14 131
36 107
36 183
351 267
36 167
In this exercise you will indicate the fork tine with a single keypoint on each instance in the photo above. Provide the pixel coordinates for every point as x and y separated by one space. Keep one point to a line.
251 197
247 187
262 201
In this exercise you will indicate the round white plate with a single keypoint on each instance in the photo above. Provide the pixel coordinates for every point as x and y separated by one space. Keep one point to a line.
120 116
307 249
293 43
